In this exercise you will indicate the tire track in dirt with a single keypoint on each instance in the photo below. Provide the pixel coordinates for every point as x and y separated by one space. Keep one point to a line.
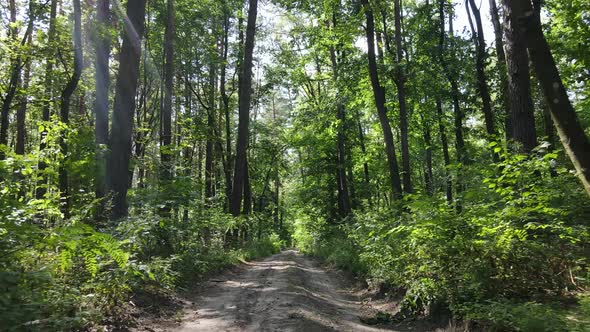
284 292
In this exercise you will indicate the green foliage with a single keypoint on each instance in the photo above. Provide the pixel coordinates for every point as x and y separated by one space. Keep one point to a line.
521 236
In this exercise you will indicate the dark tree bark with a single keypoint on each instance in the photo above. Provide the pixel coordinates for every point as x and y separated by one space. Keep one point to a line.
571 133
401 95
245 95
365 164
21 113
166 153
343 193
379 95
48 84
101 106
65 98
16 64
211 137
225 104
445 147
462 157
428 177
524 132
482 80
501 68
124 107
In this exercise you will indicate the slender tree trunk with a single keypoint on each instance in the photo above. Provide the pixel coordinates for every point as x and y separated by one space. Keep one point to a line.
482 81
11 89
124 106
46 112
226 110
365 164
401 95
428 177
519 81
245 95
445 147
379 94
101 106
571 133
343 194
462 157
21 113
211 137
166 154
501 68
65 108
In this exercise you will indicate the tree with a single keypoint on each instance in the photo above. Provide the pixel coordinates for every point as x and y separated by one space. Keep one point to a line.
570 131
379 95
482 81
166 149
524 132
124 107
66 95
245 95
101 106
401 95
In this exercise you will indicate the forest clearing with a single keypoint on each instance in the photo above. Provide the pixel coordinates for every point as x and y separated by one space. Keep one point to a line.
295 165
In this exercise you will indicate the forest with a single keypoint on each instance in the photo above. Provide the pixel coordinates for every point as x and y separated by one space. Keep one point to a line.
435 148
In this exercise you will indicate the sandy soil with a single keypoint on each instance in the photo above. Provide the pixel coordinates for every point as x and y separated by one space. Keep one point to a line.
284 292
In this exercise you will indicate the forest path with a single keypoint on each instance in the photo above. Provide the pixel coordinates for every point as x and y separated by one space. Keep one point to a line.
284 292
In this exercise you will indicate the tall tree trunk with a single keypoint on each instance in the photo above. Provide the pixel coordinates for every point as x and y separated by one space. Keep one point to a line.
124 106
428 177
365 163
211 137
46 112
225 101
21 113
501 68
401 95
101 106
445 147
343 194
462 157
66 96
165 151
571 133
11 89
482 81
245 96
379 95
519 81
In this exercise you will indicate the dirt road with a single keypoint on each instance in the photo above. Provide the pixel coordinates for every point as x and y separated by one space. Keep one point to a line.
285 292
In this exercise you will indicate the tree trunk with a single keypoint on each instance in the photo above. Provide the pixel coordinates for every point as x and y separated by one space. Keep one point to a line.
165 151
209 148
225 101
519 81
66 96
11 89
571 133
365 164
501 68
401 95
46 112
21 113
343 194
445 147
482 81
124 106
428 177
101 107
379 95
245 96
